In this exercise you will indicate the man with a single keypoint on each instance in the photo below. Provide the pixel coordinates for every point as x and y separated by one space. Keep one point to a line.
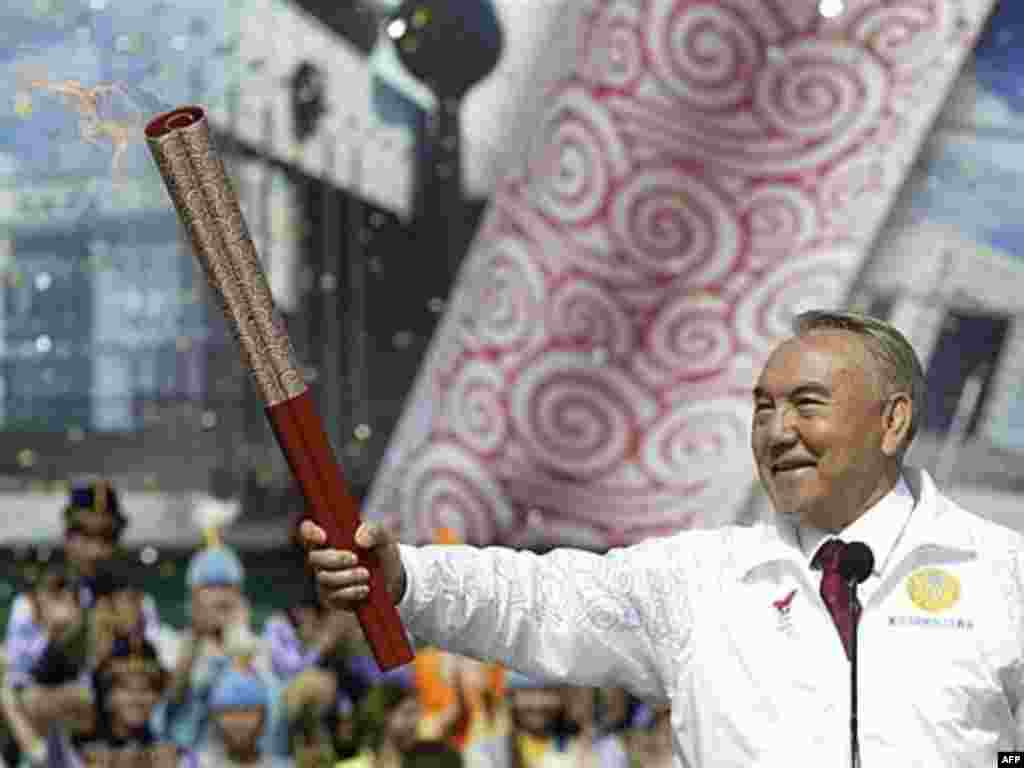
93 526
728 626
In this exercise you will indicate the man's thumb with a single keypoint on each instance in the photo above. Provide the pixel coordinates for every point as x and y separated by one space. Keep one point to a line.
370 535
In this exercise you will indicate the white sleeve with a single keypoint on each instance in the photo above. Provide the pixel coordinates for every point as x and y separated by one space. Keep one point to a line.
571 616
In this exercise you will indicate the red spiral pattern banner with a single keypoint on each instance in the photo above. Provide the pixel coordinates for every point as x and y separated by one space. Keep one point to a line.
705 171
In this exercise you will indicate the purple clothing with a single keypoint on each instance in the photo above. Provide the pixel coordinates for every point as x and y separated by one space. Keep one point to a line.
288 654
26 639
61 754
24 644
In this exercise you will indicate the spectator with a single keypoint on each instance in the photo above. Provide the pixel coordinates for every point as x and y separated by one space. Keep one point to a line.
341 722
590 747
616 707
93 525
55 687
304 635
50 609
302 707
460 697
56 701
307 635
649 739
118 609
126 688
240 705
215 576
535 735
388 722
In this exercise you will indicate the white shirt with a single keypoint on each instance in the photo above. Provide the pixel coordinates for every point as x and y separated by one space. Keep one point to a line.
727 625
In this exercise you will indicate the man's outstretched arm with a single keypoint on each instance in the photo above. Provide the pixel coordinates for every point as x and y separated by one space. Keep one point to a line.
569 615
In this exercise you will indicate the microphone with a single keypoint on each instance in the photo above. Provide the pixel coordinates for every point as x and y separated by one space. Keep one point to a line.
857 562
855 565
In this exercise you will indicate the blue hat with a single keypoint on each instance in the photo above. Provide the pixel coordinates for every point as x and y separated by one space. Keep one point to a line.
215 567
239 690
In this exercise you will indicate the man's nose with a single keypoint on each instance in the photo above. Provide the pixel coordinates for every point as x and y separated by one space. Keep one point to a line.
781 427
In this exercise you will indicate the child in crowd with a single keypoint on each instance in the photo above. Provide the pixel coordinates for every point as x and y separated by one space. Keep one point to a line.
214 579
304 635
547 728
240 705
388 722
126 687
93 525
47 678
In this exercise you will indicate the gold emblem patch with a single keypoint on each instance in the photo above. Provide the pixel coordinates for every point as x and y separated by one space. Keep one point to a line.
933 590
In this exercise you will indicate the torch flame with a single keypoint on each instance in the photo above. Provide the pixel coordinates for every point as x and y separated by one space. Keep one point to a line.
93 127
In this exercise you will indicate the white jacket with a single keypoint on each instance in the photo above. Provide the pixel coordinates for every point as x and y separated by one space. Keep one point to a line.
693 619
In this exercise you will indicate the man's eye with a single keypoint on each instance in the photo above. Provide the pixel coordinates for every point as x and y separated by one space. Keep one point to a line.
762 406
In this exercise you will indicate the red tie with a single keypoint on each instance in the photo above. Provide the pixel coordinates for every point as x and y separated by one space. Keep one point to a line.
834 590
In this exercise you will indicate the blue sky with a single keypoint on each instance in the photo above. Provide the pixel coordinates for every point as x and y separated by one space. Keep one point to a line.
160 53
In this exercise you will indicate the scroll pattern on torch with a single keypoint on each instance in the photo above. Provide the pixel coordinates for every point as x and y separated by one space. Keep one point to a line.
202 193
173 162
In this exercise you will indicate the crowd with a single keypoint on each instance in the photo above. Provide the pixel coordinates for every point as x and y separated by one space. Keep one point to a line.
90 677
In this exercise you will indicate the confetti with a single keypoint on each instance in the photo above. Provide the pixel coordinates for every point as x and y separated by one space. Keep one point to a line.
23 104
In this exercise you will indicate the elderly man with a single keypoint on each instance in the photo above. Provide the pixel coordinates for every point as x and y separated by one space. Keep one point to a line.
732 626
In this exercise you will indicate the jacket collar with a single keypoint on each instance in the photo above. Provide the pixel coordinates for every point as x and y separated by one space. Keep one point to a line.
932 526
880 527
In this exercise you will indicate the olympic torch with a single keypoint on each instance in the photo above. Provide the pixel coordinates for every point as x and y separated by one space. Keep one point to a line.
199 187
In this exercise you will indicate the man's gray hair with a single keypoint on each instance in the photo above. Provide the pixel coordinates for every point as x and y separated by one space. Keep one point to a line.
899 367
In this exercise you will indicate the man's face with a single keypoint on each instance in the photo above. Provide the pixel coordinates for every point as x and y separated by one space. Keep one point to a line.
818 429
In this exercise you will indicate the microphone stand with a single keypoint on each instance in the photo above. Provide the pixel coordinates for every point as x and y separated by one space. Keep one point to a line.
855 623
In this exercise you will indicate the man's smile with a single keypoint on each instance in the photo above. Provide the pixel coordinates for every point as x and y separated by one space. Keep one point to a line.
792 467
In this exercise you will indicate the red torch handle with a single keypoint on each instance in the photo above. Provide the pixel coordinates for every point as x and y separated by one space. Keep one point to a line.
301 435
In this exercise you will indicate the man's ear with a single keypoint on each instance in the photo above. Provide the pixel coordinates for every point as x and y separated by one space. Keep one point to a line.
896 419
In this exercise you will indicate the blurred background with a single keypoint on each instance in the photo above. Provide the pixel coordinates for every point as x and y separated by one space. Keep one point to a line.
114 360
643 193
364 152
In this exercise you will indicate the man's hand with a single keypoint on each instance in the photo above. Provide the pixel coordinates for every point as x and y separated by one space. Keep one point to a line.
341 581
